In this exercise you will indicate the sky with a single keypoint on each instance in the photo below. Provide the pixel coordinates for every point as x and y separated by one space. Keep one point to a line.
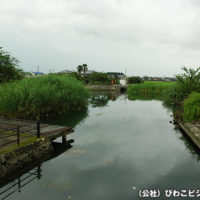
145 37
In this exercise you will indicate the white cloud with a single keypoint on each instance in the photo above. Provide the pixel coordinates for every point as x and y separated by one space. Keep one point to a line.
153 37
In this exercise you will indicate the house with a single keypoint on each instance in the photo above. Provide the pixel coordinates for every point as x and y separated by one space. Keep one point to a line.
38 73
118 75
158 79
89 72
65 72
169 79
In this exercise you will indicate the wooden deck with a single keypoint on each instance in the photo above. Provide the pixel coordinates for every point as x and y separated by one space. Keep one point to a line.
28 127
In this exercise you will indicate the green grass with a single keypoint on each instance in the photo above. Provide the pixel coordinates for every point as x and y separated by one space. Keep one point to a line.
191 107
38 97
149 90
13 147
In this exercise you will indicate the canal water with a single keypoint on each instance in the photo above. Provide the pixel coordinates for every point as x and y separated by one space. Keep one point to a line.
121 148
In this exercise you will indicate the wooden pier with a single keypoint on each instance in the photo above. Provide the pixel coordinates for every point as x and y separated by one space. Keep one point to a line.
17 130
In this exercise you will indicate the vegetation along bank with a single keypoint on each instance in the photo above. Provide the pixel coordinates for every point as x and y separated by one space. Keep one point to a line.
182 96
39 97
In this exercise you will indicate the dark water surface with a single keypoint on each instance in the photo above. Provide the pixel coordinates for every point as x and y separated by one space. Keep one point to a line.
119 144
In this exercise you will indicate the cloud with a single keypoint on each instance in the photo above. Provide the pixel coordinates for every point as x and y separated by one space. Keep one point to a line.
147 37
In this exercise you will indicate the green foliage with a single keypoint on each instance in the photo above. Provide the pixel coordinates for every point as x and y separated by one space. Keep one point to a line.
99 79
79 69
82 68
186 83
135 79
76 75
85 68
8 67
149 90
42 96
192 107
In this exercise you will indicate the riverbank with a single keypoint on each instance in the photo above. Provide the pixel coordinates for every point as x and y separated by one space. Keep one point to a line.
41 97
106 87
161 91
20 157
192 130
18 151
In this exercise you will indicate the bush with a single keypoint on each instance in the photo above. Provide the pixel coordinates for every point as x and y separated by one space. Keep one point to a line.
99 79
186 83
76 75
192 107
42 96
135 79
8 67
149 90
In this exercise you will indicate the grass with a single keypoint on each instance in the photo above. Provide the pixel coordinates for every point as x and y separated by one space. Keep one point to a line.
191 107
24 143
149 90
39 97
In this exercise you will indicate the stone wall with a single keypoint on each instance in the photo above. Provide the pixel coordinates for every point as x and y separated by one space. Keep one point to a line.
192 130
11 161
105 87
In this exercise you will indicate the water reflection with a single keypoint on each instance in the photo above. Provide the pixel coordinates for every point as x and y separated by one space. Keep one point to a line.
101 99
16 182
191 147
121 144
189 144
19 183
71 119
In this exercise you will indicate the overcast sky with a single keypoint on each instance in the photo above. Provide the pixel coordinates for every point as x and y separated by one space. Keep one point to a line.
147 37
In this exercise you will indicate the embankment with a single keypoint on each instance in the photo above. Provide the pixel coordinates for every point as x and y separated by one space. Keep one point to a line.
106 87
20 157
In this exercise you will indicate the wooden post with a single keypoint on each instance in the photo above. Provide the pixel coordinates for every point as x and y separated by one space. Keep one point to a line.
19 184
39 172
64 139
18 135
38 128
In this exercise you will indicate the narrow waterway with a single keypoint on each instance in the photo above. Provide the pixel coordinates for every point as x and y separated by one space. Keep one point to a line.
120 147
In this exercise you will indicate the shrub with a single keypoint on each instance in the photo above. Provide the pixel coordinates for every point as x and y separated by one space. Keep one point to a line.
76 75
186 83
8 67
99 79
135 79
149 90
192 107
42 96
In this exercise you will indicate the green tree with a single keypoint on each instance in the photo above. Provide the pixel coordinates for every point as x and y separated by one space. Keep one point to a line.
186 83
85 68
135 79
9 67
99 79
80 69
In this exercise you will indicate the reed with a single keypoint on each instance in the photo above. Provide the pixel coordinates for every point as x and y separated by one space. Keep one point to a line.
38 97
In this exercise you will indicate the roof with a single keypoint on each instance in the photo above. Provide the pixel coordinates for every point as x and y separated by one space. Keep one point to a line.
38 73
89 72
66 71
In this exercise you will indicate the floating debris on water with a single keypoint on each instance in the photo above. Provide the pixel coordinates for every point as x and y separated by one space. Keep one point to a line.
107 162
99 114
77 151
58 186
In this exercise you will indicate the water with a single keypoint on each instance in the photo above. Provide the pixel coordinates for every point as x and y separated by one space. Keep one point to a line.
120 147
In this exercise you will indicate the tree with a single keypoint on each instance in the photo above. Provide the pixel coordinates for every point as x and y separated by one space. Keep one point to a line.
76 75
9 67
85 68
99 79
135 79
80 69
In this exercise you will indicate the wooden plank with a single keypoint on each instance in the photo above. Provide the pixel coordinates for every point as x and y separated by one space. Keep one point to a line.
57 133
46 130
